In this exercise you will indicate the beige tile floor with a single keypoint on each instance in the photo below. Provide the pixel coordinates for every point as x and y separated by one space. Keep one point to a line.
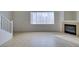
42 39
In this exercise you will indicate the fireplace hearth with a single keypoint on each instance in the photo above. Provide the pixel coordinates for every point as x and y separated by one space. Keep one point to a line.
69 28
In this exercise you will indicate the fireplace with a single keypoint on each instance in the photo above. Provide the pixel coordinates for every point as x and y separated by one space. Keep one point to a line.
69 28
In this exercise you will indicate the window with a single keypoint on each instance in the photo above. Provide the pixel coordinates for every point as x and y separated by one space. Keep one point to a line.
42 17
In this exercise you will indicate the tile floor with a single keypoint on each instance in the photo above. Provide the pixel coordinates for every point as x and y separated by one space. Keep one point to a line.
42 39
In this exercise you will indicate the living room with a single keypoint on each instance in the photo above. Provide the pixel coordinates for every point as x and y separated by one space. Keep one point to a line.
40 28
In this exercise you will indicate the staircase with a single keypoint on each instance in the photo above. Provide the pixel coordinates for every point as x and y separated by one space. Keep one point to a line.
6 29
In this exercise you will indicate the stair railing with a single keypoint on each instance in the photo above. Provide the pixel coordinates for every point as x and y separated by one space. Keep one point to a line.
6 24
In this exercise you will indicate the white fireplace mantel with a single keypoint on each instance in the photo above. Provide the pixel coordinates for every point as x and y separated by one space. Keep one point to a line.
73 23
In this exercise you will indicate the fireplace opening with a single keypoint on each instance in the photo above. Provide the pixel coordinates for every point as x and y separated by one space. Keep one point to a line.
68 28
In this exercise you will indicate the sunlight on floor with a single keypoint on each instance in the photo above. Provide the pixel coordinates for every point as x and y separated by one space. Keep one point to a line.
42 39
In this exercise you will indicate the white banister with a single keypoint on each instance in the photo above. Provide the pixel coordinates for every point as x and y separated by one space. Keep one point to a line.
0 22
6 24
11 27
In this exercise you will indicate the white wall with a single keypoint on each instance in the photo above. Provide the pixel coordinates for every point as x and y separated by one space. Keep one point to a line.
61 17
74 15
77 15
22 22
69 15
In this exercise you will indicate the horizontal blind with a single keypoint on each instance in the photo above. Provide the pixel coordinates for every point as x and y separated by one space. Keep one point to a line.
42 17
